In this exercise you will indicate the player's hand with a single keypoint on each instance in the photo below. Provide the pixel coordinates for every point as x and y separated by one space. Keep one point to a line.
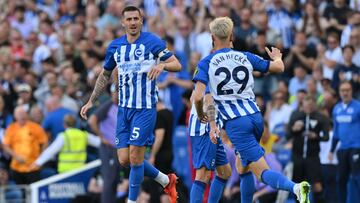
155 71
203 118
214 132
85 109
275 53
331 156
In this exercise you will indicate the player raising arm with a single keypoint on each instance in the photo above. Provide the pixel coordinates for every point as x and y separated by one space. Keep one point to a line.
229 76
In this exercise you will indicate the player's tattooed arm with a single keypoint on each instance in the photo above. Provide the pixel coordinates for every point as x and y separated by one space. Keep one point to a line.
100 84
210 108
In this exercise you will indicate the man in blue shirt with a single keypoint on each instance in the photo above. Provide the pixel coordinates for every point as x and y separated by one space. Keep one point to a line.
135 57
346 118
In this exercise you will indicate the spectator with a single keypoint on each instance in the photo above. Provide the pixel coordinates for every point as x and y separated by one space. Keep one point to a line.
245 31
12 193
36 115
5 117
311 89
333 55
273 36
299 80
21 23
280 20
308 127
335 15
24 140
103 123
25 96
347 71
55 115
65 100
71 146
298 100
47 35
355 41
346 127
301 54
311 24
353 21
278 114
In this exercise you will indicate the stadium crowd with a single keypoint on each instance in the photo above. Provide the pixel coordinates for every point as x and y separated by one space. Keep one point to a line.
51 52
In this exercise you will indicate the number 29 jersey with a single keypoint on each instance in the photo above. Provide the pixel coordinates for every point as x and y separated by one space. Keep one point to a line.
228 73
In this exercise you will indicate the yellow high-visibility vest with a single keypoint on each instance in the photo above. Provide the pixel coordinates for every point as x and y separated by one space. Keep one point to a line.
73 153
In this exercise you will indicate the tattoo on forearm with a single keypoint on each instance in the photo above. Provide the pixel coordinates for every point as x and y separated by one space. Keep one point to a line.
100 85
211 113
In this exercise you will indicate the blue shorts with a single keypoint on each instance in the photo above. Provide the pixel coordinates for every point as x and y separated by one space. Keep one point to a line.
135 127
207 154
245 132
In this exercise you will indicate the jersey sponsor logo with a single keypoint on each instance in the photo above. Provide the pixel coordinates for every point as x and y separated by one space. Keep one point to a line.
344 119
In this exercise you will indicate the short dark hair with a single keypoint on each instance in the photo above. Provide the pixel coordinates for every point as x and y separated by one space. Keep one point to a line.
348 46
130 8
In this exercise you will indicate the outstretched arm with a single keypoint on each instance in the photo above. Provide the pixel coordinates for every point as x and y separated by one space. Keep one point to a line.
100 85
276 65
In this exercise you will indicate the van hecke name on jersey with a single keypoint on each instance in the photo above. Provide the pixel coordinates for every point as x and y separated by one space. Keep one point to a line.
218 59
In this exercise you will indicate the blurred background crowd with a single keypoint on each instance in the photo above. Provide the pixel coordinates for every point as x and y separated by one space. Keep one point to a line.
51 52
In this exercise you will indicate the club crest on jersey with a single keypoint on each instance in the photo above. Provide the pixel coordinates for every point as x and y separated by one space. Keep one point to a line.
350 110
138 52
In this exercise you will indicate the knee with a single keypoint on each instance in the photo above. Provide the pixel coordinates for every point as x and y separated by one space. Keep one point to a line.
124 161
203 175
225 172
135 158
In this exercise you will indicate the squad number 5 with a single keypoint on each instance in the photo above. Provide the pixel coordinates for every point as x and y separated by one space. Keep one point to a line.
228 75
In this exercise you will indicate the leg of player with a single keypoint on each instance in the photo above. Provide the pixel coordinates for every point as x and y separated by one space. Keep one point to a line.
218 184
123 156
247 184
202 177
136 171
279 181
168 182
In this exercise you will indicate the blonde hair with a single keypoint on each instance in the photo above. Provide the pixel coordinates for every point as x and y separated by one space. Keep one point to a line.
221 27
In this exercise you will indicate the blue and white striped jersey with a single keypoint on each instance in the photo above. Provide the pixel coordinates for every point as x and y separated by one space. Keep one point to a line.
196 128
229 76
133 62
